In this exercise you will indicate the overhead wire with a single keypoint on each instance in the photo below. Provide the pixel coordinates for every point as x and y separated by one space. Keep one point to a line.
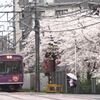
22 22
72 20
70 15
18 21
64 17
71 5
74 4
44 17
75 28
64 21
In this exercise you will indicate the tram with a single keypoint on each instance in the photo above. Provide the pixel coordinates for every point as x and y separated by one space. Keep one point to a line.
11 71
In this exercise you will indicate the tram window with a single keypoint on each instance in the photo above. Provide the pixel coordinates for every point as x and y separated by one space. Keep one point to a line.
2 68
9 67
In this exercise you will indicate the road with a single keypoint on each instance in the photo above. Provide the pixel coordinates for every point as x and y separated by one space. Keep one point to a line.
46 96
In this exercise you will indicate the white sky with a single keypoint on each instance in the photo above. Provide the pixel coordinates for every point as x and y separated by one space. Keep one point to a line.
5 5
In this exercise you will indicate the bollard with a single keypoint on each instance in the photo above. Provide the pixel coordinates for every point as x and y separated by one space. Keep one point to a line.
93 85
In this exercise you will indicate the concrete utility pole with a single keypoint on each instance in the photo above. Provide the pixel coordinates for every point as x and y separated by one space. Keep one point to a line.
14 37
37 39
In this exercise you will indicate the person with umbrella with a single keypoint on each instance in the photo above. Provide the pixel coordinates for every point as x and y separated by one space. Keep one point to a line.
72 81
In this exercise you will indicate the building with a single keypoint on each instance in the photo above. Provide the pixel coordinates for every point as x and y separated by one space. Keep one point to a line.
24 19
94 4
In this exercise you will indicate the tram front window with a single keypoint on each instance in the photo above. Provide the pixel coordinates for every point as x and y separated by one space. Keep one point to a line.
10 67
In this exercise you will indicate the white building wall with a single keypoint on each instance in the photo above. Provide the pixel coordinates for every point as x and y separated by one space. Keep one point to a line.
48 1
43 81
29 81
70 9
26 84
49 12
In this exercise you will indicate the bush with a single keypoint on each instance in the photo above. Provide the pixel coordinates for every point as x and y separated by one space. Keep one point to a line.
98 88
85 86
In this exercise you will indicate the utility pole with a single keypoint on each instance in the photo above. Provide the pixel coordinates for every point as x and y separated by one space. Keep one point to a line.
14 37
37 39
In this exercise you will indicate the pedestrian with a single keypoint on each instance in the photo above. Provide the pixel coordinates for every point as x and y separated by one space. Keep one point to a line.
72 84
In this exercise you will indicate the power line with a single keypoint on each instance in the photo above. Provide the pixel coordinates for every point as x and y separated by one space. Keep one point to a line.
56 5
64 21
73 4
75 28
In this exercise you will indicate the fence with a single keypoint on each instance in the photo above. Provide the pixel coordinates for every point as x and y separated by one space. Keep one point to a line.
59 78
87 86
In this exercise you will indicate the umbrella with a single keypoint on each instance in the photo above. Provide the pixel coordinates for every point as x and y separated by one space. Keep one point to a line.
72 76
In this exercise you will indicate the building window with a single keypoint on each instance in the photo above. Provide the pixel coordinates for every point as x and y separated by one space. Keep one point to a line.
91 0
61 12
21 46
23 34
41 1
1 45
41 13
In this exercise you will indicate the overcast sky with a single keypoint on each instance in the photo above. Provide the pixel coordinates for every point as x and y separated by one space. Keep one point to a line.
5 5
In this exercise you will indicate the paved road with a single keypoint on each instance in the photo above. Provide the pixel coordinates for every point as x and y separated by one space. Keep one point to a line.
45 96
91 96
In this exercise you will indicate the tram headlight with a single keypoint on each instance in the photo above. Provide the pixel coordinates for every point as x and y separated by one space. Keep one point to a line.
9 57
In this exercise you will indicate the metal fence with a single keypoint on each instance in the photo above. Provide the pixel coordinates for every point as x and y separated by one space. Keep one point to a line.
88 86
59 77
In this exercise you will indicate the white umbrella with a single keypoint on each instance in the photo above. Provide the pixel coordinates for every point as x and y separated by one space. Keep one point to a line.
72 76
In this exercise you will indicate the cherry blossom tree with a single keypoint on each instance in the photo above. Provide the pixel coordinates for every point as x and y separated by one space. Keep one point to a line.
79 29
